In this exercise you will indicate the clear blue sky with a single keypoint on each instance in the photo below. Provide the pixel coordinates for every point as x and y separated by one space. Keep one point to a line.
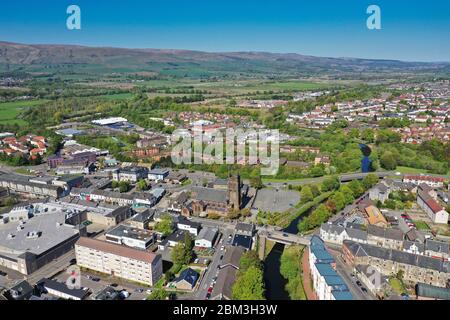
412 29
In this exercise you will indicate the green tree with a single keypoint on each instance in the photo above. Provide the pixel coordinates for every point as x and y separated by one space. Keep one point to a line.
249 285
356 187
158 294
370 180
142 185
306 194
330 184
388 161
165 225
248 259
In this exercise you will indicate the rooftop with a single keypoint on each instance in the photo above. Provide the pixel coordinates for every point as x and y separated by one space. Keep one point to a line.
127 252
124 231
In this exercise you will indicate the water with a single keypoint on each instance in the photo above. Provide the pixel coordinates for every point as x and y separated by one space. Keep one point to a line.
275 283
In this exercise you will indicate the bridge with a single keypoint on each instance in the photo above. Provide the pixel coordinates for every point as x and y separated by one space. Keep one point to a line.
285 238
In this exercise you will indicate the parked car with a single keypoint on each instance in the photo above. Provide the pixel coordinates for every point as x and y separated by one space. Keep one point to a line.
363 289
3 274
208 296
114 285
73 261
210 289
95 279
358 283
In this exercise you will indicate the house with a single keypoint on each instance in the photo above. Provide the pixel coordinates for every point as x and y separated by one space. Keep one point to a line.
131 174
176 177
435 182
242 241
322 159
20 291
375 217
336 234
327 284
245 229
206 237
142 219
434 210
380 192
158 174
373 280
227 274
61 290
177 202
384 237
187 225
415 268
187 279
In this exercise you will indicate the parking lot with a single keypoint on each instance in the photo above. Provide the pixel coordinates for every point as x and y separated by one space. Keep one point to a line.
276 200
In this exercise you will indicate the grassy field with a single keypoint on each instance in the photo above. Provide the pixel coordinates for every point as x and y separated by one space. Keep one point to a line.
421 225
9 111
407 170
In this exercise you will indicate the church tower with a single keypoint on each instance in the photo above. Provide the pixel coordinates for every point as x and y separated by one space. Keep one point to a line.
234 191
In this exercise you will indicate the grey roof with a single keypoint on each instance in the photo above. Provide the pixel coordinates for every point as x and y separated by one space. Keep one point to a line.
415 235
210 195
408 244
208 234
361 249
352 230
224 283
245 227
232 256
129 232
393 234
62 287
381 187
183 221
189 275
144 216
436 246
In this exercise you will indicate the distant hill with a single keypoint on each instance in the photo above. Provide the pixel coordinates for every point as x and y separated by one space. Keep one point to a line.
192 63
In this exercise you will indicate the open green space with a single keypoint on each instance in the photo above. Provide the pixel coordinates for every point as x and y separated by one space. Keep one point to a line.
9 111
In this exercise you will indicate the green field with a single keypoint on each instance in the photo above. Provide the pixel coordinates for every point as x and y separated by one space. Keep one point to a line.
9 111
408 170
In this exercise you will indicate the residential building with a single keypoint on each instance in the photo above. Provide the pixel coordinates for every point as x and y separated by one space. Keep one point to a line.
206 237
415 268
434 210
380 192
435 182
60 290
187 279
120 261
158 174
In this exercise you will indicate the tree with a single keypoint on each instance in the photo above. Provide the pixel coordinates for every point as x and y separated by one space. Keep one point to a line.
124 186
142 185
370 180
356 187
368 135
330 184
248 259
339 200
348 194
178 254
158 294
306 194
165 226
249 285
388 161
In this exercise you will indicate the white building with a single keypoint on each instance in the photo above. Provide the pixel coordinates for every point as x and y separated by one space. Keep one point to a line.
206 238
120 261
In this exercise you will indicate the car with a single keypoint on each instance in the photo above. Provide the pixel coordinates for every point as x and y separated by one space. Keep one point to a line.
404 216
210 289
222 248
114 285
221 257
3 274
95 279
363 289
196 260
229 236
358 283
208 296
149 291
139 290
73 261
285 235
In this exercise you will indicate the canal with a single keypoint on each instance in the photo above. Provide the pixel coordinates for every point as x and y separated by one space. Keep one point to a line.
274 281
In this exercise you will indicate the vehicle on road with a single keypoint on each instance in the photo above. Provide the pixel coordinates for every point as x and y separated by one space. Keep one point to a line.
114 285
210 289
3 274
363 289
208 296
358 283
73 261
95 279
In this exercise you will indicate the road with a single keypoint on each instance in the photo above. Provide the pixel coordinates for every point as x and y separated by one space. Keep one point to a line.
343 177
346 271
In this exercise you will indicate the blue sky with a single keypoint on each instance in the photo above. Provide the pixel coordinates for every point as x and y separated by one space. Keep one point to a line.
412 30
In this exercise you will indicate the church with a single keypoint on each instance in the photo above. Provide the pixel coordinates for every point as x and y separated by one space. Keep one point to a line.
218 198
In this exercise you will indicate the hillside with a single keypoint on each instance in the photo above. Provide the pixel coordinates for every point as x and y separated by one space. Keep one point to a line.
83 59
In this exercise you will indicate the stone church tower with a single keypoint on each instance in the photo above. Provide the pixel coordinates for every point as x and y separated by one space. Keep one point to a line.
234 192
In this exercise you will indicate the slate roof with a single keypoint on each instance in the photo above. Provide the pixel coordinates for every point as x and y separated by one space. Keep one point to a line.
210 195
393 234
436 246
361 249
189 275
429 291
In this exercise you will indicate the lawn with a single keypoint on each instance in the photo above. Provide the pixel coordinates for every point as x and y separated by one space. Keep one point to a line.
9 111
397 285
421 225
408 170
